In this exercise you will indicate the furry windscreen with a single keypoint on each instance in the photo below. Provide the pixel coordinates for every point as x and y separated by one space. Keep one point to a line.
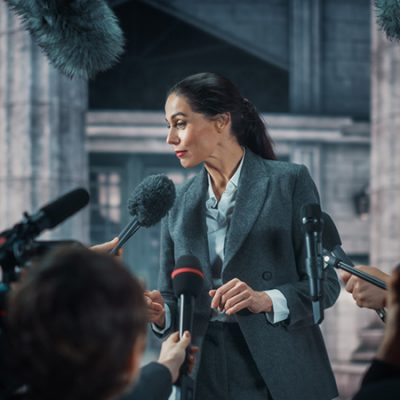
79 37
388 17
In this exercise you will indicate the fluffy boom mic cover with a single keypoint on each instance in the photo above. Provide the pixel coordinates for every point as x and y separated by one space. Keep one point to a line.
187 277
388 17
79 37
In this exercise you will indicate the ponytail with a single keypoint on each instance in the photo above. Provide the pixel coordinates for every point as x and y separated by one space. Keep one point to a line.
253 133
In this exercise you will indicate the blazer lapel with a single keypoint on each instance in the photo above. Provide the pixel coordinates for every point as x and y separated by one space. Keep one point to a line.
252 192
194 228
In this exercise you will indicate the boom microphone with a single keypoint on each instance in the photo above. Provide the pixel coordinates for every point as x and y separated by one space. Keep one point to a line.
388 17
79 37
148 203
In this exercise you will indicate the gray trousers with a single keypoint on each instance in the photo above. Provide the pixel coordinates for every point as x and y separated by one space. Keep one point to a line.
227 370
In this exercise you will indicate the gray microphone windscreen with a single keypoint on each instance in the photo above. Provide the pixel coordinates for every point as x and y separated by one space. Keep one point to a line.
79 37
152 199
388 17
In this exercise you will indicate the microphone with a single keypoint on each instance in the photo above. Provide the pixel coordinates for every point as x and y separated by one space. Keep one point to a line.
312 227
387 15
187 282
331 240
149 202
79 37
335 255
17 243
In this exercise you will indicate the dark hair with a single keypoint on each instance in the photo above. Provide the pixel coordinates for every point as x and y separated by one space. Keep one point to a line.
73 323
211 94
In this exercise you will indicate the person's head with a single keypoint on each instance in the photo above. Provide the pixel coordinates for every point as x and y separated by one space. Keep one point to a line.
203 105
77 324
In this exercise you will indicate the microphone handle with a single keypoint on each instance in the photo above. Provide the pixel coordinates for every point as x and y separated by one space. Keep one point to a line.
186 309
125 235
314 264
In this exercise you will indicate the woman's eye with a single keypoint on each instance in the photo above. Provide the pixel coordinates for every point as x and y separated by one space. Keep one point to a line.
180 124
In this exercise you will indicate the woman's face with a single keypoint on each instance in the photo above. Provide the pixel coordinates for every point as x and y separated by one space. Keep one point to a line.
193 137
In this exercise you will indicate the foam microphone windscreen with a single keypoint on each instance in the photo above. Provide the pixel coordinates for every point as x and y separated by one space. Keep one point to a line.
152 199
187 276
330 234
388 17
79 37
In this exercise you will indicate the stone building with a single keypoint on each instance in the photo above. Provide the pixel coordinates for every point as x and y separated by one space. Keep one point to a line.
306 64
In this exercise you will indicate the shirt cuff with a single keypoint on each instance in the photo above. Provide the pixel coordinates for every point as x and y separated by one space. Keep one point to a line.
279 306
167 325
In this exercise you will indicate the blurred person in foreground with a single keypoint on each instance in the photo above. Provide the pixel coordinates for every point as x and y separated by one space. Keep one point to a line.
382 379
77 328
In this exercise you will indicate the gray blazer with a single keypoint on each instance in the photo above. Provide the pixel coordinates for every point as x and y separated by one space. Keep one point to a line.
264 248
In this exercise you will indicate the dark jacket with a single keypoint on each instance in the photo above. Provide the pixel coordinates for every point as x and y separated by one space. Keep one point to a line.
264 248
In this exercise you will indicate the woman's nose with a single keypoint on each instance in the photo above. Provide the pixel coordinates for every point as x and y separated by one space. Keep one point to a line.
172 137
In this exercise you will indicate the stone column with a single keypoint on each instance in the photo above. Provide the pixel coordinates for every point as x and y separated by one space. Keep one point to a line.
305 56
42 126
385 151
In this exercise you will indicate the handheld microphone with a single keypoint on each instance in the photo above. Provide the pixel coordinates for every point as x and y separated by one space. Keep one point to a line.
331 240
79 37
187 281
16 244
148 203
336 256
312 227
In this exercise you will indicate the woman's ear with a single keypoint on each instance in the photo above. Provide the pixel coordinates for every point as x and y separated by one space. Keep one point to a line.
222 121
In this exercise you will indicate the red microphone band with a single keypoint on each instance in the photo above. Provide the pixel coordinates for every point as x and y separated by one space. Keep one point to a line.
182 270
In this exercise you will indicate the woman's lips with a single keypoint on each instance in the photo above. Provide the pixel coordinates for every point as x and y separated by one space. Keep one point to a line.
180 154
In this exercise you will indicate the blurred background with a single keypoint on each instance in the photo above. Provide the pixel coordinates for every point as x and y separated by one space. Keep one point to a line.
325 79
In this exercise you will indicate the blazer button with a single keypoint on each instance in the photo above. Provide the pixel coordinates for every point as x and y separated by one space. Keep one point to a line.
267 275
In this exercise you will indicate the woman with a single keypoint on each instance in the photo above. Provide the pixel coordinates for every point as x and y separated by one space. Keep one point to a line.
241 217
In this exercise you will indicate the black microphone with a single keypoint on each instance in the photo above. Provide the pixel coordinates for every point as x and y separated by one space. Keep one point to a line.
148 203
16 243
312 227
332 245
79 37
187 282
331 240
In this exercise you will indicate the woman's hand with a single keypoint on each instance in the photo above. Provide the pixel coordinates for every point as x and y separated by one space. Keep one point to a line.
236 295
365 294
107 247
155 307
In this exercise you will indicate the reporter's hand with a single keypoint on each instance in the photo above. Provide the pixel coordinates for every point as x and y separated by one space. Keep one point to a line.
155 307
107 247
236 295
365 294
173 353
389 349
